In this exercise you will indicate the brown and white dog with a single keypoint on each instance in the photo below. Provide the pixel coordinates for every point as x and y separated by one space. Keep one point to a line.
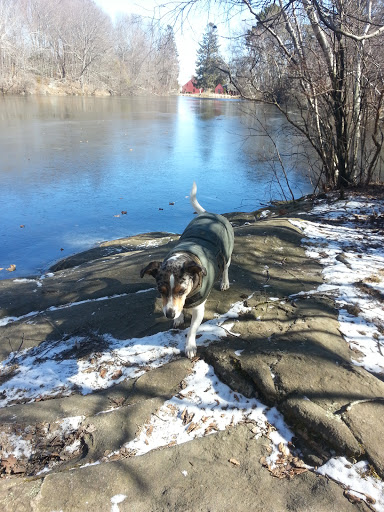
186 276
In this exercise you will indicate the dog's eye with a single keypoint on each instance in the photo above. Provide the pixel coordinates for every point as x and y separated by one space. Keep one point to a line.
180 293
163 290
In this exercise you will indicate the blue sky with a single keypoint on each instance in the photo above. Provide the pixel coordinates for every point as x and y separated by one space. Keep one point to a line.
187 34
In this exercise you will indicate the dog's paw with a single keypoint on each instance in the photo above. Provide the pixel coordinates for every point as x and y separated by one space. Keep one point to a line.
224 286
178 322
190 351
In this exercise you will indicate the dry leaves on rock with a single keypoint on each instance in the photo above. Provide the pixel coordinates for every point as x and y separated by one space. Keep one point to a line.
42 445
187 417
286 465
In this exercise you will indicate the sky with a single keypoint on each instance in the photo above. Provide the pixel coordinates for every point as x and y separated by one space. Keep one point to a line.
188 32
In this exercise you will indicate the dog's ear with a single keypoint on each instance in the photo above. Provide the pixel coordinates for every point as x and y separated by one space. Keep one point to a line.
194 268
151 269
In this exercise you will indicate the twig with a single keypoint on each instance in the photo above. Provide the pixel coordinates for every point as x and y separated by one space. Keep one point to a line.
18 350
228 332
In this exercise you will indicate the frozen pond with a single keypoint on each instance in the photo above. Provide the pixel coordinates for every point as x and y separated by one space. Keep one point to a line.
71 165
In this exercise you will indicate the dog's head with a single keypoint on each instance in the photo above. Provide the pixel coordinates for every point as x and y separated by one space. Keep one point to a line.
175 277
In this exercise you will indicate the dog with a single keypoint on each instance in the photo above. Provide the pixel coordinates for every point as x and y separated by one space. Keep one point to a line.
187 274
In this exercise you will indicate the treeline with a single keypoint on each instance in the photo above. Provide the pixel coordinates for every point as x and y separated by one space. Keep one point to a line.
72 46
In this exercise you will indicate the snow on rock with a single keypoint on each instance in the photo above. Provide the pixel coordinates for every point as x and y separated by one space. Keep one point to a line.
53 369
346 241
205 406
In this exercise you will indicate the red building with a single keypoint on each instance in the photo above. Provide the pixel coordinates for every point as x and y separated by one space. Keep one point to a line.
191 87
219 89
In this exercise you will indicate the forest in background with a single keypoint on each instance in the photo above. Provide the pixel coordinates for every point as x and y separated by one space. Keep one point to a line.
72 47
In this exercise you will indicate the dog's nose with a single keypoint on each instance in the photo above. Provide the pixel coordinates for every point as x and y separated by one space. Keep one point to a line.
170 313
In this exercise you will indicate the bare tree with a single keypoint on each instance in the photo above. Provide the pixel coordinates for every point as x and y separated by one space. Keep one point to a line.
147 55
320 63
74 45
12 58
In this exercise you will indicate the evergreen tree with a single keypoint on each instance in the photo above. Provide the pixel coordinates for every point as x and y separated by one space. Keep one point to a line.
208 62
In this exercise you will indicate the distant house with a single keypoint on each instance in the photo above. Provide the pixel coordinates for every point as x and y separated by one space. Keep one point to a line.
191 87
219 89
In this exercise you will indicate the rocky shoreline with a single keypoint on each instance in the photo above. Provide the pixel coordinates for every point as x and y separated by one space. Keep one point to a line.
283 348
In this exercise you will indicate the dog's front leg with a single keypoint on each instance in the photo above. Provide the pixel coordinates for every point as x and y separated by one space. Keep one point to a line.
197 318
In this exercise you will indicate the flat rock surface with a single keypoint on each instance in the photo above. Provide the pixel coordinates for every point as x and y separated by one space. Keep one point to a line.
288 353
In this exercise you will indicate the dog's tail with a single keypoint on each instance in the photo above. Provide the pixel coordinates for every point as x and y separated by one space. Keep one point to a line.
194 201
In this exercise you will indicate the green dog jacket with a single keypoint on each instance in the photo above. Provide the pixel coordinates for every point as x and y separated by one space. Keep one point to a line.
209 237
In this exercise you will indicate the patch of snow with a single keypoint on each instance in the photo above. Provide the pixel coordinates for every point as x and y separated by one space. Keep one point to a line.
353 272
115 500
71 448
203 407
52 368
20 447
353 260
357 480
24 280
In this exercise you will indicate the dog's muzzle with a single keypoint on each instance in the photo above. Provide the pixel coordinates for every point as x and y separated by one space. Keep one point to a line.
170 313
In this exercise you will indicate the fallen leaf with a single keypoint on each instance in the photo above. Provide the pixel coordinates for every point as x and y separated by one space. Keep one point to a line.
351 497
192 427
117 375
117 401
123 212
11 268
187 417
9 464
370 499
22 225
234 462
211 426
103 373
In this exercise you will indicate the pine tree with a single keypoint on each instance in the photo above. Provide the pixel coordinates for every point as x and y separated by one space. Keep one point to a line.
208 62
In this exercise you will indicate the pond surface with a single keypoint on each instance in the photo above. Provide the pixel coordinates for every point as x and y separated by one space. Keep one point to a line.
70 166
